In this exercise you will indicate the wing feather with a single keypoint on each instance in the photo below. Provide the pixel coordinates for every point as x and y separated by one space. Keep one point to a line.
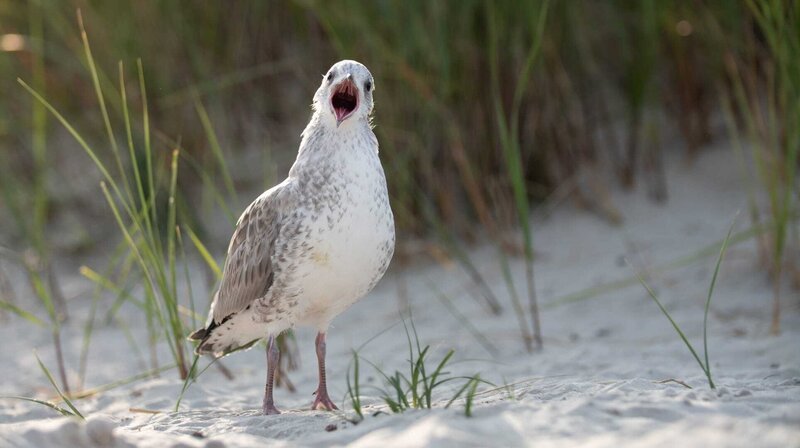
248 274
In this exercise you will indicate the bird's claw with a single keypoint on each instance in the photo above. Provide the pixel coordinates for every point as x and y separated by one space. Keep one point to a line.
323 402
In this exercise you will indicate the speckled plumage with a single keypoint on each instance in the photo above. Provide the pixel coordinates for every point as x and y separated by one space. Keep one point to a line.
311 246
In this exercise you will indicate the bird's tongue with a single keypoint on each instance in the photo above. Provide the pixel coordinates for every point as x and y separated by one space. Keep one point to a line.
341 113
344 100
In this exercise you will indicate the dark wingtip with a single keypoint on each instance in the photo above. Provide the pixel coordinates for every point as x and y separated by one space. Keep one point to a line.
198 334
202 333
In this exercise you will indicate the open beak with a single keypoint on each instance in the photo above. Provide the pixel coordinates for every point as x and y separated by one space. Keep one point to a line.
344 100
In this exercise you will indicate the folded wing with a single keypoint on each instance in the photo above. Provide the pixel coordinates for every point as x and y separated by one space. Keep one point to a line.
248 272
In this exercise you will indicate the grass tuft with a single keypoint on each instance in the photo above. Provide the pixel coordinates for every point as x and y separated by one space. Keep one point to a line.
135 214
414 388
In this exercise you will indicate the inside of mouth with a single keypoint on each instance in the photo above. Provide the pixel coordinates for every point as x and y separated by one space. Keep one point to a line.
344 100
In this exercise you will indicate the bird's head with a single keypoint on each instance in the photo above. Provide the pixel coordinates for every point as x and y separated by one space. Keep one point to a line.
345 94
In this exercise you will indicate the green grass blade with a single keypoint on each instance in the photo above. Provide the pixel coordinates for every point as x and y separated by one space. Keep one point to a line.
152 286
216 149
147 147
201 248
100 280
128 237
66 399
188 380
103 110
81 141
418 377
674 324
527 337
708 299
187 278
171 294
429 386
353 389
471 395
144 204
52 406
458 393
43 293
21 313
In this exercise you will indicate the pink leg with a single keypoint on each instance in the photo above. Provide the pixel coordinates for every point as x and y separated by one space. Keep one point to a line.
273 357
322 400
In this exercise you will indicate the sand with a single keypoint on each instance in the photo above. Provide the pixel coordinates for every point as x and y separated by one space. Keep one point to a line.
612 372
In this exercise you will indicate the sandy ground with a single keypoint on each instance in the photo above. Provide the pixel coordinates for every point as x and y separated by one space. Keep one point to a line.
600 380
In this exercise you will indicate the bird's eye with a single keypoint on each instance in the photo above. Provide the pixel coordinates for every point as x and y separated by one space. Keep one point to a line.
368 86
330 76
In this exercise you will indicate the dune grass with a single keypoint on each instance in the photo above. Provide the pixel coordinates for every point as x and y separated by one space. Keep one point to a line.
433 63
135 213
426 57
768 97
508 126
133 185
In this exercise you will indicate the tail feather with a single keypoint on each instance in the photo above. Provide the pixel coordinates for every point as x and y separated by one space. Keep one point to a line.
236 332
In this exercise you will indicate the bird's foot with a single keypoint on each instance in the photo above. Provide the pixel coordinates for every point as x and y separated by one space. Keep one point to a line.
323 402
269 409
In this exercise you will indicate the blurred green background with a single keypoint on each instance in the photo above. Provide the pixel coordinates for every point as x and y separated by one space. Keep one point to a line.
483 107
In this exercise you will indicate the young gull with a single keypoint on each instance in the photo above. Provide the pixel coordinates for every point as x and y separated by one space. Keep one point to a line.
311 246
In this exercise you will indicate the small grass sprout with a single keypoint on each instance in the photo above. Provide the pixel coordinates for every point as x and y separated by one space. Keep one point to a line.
704 365
413 389
64 398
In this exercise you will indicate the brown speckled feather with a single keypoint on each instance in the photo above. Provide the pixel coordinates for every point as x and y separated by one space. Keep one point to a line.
248 272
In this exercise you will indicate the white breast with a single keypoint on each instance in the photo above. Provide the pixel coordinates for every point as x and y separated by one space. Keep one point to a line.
351 245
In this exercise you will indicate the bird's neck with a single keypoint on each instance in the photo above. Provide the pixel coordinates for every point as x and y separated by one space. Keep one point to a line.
325 143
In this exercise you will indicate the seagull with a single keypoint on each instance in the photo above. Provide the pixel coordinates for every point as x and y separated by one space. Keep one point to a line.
310 247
